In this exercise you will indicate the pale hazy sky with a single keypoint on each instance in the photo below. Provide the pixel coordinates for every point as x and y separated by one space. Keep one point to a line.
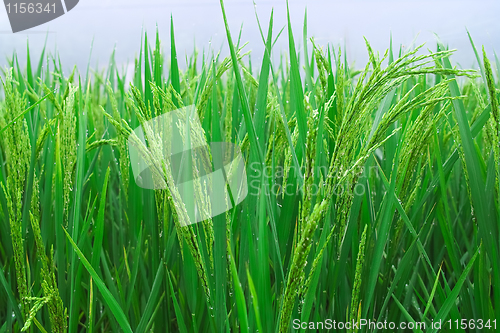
113 22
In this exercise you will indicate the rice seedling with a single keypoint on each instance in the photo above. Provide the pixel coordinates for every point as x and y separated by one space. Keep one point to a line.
373 193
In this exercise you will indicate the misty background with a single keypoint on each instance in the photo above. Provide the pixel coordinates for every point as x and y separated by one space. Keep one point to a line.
118 25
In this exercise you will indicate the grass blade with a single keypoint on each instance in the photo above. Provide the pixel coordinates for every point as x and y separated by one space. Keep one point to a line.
450 300
108 298
153 297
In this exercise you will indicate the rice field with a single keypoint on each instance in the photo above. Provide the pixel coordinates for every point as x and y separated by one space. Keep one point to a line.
373 192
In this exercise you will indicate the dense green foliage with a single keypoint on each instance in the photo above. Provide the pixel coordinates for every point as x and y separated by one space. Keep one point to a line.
373 193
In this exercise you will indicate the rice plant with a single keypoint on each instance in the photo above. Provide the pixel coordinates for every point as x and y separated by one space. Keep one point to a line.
373 192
